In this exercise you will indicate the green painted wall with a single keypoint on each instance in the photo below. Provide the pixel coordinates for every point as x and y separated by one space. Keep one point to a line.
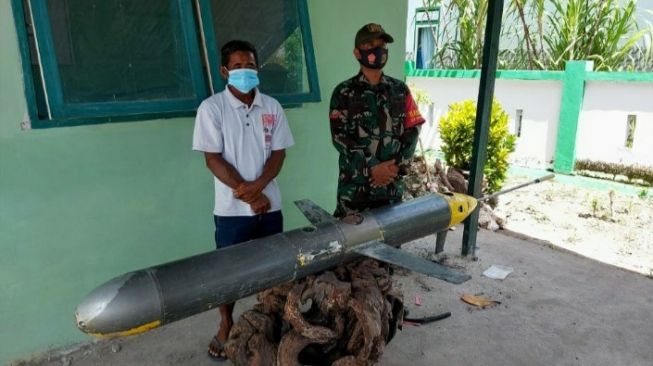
573 91
79 205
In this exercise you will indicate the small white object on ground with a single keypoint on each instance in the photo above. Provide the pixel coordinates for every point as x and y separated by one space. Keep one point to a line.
418 300
497 272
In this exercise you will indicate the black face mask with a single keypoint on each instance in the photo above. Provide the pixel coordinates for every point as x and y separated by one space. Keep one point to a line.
381 57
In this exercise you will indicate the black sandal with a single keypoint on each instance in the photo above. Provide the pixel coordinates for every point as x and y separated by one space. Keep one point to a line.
216 350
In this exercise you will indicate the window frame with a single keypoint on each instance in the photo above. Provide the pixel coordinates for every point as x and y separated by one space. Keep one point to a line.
286 99
421 24
204 71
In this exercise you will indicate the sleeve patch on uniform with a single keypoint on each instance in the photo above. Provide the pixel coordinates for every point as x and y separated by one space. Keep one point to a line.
413 117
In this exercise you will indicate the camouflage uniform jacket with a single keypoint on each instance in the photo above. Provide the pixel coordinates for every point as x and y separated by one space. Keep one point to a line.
371 124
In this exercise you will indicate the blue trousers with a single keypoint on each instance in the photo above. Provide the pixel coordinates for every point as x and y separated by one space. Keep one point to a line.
230 230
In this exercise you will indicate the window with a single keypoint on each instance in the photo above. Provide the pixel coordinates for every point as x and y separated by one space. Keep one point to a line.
631 124
284 49
95 61
427 24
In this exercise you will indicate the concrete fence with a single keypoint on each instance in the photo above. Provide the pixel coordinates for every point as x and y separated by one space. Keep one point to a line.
559 116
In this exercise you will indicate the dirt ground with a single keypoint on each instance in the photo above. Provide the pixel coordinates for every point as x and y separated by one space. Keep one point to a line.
603 224
556 308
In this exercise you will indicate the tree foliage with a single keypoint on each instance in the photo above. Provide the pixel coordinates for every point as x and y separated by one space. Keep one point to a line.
543 35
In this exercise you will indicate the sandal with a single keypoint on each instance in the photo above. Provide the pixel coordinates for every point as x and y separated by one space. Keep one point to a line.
216 350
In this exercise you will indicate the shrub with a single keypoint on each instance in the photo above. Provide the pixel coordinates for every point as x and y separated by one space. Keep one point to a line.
457 134
632 172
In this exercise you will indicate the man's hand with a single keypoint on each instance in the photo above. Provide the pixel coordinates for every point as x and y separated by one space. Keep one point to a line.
352 219
248 192
384 174
261 204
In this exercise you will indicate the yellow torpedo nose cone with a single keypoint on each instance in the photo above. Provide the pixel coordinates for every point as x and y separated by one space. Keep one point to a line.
461 206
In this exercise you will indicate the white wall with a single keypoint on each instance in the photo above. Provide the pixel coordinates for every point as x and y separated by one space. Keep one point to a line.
539 101
410 25
644 13
603 120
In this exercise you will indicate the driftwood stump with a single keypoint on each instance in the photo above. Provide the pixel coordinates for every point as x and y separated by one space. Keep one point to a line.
444 180
341 317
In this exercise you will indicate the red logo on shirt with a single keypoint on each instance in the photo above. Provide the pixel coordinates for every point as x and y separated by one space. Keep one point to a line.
269 120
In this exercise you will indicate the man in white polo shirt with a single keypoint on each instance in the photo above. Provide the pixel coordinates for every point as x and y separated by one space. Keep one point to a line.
243 134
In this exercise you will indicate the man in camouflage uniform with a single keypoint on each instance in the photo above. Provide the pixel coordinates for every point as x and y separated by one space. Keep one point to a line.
374 126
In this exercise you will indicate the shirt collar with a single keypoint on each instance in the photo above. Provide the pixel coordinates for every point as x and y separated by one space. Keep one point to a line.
363 80
236 103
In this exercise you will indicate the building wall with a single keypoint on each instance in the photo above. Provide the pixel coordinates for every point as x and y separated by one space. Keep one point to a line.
601 113
80 205
539 101
603 121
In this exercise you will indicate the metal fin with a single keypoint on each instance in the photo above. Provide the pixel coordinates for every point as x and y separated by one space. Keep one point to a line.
314 213
392 255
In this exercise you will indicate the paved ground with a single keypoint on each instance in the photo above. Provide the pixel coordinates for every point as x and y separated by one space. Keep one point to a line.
556 308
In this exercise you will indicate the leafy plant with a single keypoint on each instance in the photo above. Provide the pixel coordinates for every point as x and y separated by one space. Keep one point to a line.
461 39
595 207
600 31
457 134
539 34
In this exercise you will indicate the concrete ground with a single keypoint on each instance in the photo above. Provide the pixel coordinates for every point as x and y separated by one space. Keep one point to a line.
557 308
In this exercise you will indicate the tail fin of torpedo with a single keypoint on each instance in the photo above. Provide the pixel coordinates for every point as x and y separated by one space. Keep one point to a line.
314 213
392 255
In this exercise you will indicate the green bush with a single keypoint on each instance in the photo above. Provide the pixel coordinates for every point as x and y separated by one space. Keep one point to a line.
457 134
632 172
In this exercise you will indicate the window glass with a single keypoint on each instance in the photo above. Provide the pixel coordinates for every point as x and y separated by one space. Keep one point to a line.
273 27
119 50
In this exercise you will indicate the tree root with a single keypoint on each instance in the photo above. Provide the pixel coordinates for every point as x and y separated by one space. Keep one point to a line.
340 317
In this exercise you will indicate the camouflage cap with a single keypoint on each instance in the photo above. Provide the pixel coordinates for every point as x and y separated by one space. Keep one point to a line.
370 32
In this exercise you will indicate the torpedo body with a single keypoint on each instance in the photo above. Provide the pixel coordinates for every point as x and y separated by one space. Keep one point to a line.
150 297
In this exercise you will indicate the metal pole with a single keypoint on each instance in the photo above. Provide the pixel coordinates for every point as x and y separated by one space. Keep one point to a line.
535 181
484 108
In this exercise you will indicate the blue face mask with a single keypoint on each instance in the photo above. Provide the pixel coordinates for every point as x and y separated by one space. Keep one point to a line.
243 79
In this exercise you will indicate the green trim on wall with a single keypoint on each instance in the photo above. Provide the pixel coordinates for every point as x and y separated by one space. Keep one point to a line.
411 71
501 74
573 91
624 76
314 94
646 77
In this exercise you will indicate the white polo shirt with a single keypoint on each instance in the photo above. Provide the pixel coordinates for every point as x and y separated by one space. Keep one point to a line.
246 136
